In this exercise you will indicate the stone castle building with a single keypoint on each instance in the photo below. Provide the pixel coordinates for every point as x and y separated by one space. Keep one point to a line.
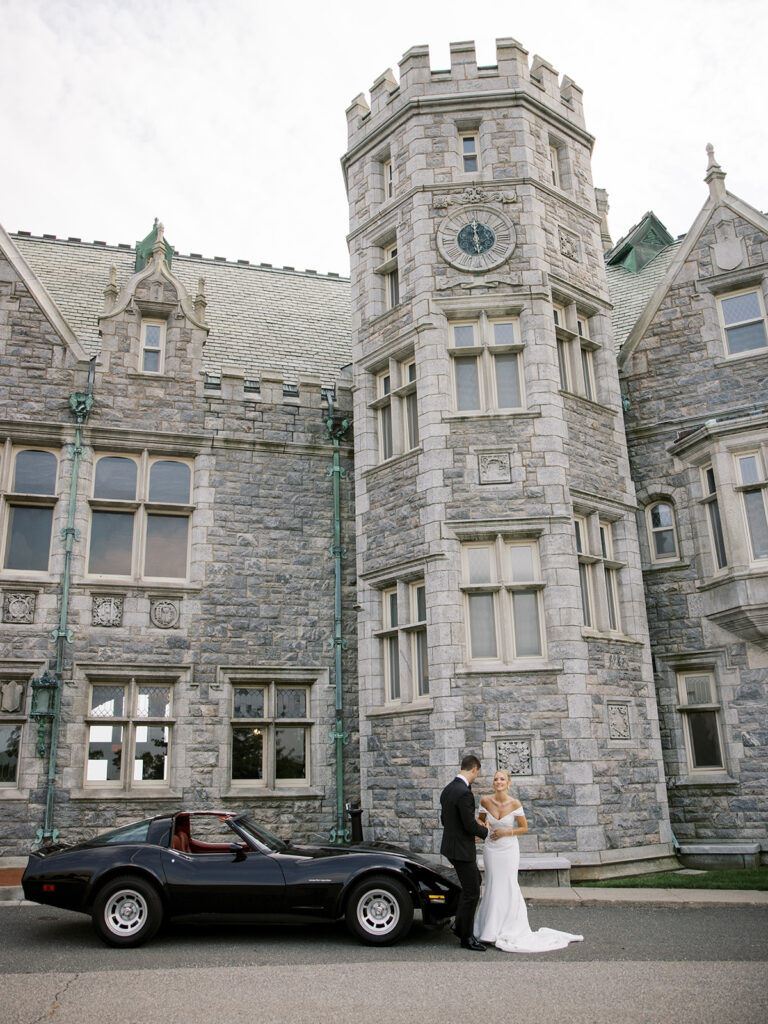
257 553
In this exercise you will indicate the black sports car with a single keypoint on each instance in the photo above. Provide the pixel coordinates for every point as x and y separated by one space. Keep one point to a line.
223 864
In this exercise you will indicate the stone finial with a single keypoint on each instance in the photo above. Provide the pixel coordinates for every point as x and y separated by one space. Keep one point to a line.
715 176
158 248
200 300
110 292
601 201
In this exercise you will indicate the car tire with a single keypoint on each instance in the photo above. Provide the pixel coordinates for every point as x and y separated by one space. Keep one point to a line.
127 911
379 911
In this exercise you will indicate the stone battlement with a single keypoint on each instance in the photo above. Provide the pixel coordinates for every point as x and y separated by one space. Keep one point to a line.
419 83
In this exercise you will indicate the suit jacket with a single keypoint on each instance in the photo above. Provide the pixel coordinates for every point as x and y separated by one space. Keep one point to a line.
459 825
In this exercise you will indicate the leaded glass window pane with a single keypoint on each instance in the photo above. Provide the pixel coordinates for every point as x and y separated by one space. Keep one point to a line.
153 702
482 627
467 388
464 335
697 690
739 308
504 333
10 736
247 754
393 667
111 543
115 478
749 469
248 702
705 742
29 538
507 381
107 701
522 563
421 604
525 607
166 551
35 473
746 337
290 752
758 527
422 663
105 753
150 761
291 702
169 482
479 565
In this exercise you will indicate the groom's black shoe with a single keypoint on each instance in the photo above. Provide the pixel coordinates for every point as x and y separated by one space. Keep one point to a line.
473 944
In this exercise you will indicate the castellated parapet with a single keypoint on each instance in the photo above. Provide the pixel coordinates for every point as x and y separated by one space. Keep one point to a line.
422 87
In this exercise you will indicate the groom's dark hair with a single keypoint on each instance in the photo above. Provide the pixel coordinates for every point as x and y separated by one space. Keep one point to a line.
468 762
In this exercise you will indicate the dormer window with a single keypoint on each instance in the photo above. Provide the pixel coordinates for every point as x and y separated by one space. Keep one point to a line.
152 346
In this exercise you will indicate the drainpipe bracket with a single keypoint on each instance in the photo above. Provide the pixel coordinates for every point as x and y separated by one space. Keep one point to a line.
70 531
66 633
338 733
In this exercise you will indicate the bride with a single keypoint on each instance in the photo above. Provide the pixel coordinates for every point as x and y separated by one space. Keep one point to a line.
502 917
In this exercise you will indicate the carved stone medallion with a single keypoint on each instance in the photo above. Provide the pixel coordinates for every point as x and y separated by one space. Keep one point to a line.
164 614
618 721
569 244
514 756
19 607
495 468
107 610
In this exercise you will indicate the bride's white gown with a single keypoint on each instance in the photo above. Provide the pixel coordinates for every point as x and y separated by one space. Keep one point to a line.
502 917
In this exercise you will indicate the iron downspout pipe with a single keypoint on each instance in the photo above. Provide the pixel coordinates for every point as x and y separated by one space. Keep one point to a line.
81 406
336 431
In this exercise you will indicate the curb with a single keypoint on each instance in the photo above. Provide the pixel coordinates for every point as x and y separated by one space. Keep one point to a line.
627 897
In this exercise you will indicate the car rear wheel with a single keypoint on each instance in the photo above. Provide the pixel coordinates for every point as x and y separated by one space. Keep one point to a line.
379 911
127 911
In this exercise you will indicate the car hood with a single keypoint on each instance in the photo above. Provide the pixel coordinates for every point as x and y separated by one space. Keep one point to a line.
371 849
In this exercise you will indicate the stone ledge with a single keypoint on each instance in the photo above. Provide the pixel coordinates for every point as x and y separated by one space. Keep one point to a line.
720 855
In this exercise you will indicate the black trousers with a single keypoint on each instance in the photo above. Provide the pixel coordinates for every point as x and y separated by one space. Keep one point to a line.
469 879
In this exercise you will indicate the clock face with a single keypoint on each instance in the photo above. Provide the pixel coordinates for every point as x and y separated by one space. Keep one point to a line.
476 238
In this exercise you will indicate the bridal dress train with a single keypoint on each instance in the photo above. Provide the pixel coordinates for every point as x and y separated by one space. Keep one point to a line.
502 917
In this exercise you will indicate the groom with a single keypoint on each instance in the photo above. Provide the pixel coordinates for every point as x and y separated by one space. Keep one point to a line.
458 845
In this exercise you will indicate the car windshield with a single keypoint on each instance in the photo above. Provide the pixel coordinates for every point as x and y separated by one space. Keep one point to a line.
259 833
135 833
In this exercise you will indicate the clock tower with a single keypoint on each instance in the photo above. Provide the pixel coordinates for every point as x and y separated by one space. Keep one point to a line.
500 594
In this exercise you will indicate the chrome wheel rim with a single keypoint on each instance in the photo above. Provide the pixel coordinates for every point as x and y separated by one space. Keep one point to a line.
126 912
378 912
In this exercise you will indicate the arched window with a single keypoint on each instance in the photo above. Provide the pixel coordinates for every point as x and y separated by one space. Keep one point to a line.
662 533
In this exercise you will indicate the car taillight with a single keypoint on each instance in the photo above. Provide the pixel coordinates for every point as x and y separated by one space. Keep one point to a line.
49 888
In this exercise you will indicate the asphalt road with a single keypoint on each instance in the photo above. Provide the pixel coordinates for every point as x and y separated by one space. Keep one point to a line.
697 965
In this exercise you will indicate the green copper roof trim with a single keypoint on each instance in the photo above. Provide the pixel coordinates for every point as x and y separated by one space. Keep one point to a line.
144 249
643 242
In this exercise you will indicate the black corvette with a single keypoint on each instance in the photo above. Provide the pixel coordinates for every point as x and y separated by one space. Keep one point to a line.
225 865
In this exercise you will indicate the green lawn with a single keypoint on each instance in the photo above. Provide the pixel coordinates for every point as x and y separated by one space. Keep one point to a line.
746 878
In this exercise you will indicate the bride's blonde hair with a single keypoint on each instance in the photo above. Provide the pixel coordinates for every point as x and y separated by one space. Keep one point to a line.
503 771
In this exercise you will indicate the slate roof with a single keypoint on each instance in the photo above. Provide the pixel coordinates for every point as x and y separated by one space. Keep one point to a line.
261 318
630 292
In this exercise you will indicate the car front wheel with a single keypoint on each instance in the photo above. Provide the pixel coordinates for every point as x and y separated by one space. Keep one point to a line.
127 911
379 911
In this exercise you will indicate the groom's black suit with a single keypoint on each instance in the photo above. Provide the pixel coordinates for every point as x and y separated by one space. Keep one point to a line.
458 845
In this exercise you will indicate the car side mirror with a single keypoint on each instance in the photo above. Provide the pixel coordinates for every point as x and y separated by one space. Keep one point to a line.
238 851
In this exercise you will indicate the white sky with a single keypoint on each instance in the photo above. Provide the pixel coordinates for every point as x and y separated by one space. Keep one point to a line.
225 118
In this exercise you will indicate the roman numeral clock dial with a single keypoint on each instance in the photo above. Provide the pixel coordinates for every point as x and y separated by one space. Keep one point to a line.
477 238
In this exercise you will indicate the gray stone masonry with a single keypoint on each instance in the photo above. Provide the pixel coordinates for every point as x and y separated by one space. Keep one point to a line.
690 407
493 476
257 603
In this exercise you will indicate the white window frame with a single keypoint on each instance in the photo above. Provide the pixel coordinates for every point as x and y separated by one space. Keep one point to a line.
402 633
553 153
687 708
754 501
391 278
486 355
267 725
387 174
599 573
715 531
141 508
652 531
726 327
12 499
468 155
159 348
130 721
576 351
396 408
502 588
